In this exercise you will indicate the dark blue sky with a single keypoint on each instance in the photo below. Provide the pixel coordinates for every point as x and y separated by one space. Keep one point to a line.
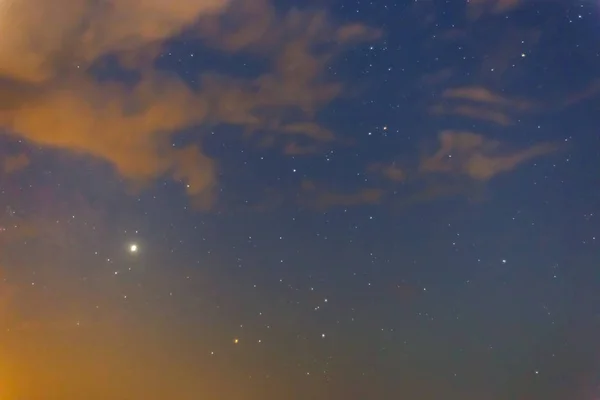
329 200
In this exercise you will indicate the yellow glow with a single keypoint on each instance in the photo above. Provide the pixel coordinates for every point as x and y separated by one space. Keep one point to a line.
133 248
4 389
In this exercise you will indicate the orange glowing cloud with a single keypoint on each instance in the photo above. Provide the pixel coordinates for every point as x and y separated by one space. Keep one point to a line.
473 112
391 171
323 198
369 196
591 91
476 102
462 164
472 155
477 8
459 155
14 163
464 154
49 98
41 40
480 94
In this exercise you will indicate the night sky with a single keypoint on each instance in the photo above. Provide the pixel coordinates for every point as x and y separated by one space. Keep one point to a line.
311 200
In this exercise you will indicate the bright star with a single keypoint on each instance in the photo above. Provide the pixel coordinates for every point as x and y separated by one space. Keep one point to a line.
133 248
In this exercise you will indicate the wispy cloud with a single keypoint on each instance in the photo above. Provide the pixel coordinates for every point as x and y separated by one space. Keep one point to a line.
477 102
472 155
478 94
50 98
478 8
321 197
391 171
591 91
461 165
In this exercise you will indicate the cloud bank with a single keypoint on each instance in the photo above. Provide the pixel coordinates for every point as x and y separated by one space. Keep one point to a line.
50 97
